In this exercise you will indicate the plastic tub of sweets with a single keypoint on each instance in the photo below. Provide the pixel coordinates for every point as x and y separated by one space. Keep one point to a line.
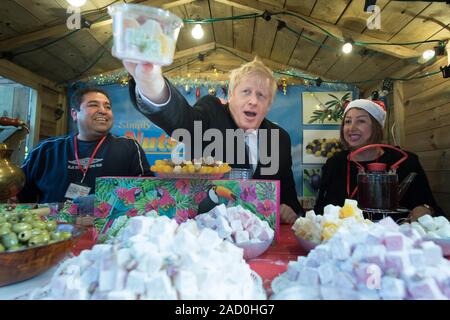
144 34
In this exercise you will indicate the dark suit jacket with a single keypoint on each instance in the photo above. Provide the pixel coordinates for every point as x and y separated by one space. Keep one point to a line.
179 114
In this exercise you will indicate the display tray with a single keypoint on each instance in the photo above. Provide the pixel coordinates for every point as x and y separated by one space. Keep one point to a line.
306 244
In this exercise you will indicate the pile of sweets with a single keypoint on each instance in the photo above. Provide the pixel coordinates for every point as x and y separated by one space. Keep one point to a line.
202 166
431 227
319 228
236 224
155 258
377 261
147 41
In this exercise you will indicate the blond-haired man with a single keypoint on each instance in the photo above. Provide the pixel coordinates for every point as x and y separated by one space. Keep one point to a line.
251 91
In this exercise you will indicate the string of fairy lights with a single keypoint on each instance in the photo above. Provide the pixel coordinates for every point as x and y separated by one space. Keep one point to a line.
197 32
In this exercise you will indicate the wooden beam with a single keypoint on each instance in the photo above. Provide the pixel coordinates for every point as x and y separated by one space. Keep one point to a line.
24 76
340 32
268 62
399 114
61 29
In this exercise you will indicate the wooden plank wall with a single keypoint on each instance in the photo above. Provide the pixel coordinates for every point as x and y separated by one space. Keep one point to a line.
427 131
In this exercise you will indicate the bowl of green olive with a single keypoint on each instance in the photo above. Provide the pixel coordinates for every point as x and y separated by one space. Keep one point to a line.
30 245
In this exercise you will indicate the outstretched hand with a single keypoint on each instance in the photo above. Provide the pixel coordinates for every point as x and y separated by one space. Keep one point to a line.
149 80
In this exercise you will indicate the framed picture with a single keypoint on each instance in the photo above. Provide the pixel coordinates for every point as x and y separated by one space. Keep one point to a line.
311 181
324 107
319 145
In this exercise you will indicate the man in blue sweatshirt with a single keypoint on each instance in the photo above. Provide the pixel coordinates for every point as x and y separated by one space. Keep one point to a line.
63 168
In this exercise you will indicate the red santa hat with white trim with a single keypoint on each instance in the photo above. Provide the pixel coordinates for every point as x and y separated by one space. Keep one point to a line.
375 108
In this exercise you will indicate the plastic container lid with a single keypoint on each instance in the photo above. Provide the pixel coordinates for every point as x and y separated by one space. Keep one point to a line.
376 166
144 34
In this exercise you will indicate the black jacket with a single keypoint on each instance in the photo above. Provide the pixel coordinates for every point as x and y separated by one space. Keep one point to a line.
210 111
333 186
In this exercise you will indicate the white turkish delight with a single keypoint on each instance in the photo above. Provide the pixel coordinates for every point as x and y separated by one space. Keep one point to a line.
100 249
426 289
121 295
444 231
363 271
331 211
185 241
223 227
310 215
368 294
107 279
236 225
418 227
392 288
394 241
89 276
432 253
292 272
241 237
397 263
220 210
340 249
208 239
135 282
159 287
190 226
344 280
441 221
186 284
123 257
308 277
417 258
375 254
428 222
432 235
389 223
140 225
327 272
121 279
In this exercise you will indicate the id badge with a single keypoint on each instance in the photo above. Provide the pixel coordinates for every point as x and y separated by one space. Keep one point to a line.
77 190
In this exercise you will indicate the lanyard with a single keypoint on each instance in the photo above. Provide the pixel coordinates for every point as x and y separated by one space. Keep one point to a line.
84 170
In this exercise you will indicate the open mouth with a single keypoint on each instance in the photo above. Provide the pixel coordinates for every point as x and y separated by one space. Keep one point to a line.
354 137
250 114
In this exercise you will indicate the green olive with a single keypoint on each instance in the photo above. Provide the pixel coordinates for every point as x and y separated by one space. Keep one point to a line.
66 235
2 219
9 240
45 237
4 230
6 225
2 248
35 241
36 232
56 235
39 224
28 219
15 248
24 235
21 226
14 219
51 225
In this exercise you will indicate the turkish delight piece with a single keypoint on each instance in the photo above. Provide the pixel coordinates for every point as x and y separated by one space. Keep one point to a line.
392 288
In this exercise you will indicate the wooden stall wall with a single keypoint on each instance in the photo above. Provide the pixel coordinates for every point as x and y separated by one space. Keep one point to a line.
426 111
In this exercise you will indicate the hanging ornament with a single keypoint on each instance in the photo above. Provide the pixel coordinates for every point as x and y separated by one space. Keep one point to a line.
124 81
197 93
284 85
212 91
187 88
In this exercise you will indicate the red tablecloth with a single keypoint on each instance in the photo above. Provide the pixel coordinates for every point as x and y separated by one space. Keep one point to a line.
274 261
270 264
